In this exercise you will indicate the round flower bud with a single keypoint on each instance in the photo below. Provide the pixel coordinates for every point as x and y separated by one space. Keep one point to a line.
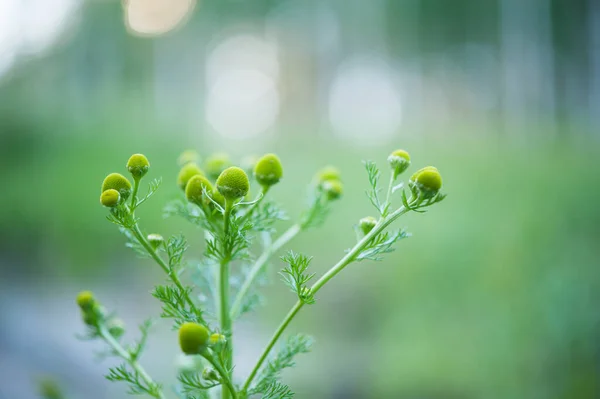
186 173
85 300
156 240
233 183
194 191
138 166
268 170
399 161
216 164
333 189
110 198
209 374
118 182
193 338
328 173
366 224
427 181
188 156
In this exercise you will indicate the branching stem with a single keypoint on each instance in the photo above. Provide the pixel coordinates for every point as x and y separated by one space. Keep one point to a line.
260 264
119 350
345 261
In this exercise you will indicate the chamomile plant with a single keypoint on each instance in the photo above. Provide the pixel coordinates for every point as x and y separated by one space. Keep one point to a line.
235 219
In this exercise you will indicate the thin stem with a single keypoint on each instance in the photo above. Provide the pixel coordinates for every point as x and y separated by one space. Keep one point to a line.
345 261
136 187
224 375
263 193
173 276
260 263
119 350
224 292
286 321
389 190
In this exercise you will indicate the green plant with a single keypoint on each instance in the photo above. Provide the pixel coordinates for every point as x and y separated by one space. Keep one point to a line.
231 226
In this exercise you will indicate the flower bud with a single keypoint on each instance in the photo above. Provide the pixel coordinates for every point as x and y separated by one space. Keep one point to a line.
138 166
366 224
233 183
427 182
193 338
328 173
216 164
268 170
110 198
399 161
333 189
194 191
186 173
216 338
118 182
188 156
155 240
85 300
209 374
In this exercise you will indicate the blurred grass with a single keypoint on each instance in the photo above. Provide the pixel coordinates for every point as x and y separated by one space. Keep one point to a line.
494 296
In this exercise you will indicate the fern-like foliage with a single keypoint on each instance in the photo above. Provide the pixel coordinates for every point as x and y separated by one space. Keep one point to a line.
295 276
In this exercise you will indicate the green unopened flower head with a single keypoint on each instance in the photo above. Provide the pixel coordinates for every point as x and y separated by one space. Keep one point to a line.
117 181
194 191
366 224
333 188
156 240
85 300
216 338
193 338
216 163
186 172
110 198
268 170
399 161
233 183
188 156
328 173
427 181
138 166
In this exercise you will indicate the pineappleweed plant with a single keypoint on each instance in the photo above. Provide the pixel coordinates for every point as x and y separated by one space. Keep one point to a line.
202 299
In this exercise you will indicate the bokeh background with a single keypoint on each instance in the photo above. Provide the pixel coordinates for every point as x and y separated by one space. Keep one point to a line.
496 294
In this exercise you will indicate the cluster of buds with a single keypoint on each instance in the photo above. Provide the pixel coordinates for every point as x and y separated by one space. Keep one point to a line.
116 188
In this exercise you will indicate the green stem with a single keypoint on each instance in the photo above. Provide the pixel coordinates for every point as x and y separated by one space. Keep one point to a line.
389 190
225 320
119 350
222 372
257 202
136 187
345 261
260 263
172 275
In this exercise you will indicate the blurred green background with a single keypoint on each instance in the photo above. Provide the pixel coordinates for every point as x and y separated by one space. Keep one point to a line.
496 294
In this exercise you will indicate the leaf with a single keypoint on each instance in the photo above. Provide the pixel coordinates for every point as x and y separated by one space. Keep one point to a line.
140 345
175 305
265 215
295 277
373 193
136 385
317 211
176 247
381 244
267 383
192 383
277 390
152 188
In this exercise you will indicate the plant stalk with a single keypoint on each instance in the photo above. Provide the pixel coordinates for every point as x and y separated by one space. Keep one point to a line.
345 261
113 343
